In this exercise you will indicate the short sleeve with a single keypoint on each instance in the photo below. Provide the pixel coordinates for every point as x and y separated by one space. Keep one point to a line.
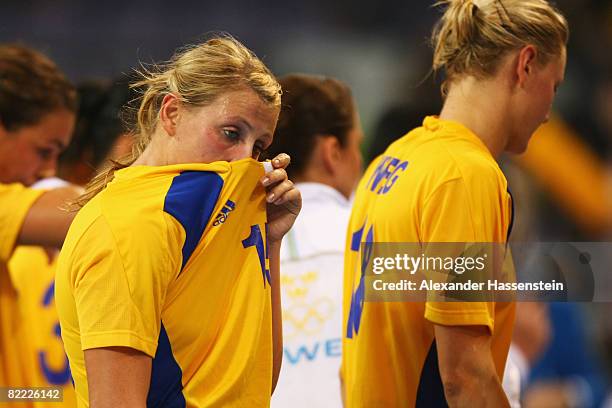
120 278
16 200
461 212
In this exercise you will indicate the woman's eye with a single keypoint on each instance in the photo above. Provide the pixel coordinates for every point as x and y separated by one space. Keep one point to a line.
231 134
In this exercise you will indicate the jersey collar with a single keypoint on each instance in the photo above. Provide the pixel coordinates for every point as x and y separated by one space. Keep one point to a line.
434 123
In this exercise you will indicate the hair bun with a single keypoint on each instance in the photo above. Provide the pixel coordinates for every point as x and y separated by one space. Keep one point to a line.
472 36
466 27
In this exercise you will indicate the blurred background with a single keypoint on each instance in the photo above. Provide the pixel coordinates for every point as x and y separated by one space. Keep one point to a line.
380 49
561 186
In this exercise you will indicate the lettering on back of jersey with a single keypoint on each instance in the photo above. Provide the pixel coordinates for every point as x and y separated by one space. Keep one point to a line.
224 213
386 174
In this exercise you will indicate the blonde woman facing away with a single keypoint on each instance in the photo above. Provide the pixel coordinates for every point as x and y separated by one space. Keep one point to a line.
503 61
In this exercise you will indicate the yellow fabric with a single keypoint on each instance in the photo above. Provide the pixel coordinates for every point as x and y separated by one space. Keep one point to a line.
16 202
572 173
439 183
15 365
32 270
121 282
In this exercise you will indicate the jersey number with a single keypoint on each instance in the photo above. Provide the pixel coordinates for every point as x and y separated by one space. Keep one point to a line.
354 318
256 239
55 377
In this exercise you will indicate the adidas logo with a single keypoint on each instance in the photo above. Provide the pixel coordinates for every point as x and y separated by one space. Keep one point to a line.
224 213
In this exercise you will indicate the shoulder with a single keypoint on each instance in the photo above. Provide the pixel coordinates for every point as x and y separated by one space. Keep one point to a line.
16 195
479 180
128 215
460 160
111 242
166 210
16 202
147 201
192 196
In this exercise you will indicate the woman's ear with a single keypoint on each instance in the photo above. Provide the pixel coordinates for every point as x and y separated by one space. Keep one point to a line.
169 113
330 152
525 63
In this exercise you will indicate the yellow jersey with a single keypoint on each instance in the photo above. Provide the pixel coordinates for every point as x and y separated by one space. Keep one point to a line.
32 270
172 261
16 365
438 183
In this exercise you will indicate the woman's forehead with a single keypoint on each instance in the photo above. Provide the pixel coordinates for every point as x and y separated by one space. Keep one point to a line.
245 103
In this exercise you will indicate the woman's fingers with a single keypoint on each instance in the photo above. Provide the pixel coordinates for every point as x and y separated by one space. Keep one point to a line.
276 193
279 189
291 200
281 161
274 177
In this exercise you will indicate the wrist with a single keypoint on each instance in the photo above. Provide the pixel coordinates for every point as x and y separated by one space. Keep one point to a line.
274 244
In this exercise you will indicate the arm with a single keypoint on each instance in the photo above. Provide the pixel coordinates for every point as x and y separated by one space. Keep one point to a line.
466 367
277 315
466 209
117 377
46 224
282 209
342 393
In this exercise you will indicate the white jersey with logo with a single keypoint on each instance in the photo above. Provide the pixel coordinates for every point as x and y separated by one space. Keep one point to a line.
312 262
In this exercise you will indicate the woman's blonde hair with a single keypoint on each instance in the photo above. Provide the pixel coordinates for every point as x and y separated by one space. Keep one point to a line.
197 75
472 36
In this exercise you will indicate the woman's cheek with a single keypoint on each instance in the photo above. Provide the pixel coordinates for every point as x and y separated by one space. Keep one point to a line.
215 148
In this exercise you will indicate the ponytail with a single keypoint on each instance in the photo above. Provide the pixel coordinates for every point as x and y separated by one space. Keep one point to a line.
472 36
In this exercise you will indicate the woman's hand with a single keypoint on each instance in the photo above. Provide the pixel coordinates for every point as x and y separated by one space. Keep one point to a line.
284 200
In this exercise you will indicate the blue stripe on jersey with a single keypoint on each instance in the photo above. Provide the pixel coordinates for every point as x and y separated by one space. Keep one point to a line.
191 200
166 388
430 393
511 216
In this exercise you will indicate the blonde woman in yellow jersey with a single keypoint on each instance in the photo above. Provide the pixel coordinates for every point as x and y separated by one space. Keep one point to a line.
168 284
37 113
503 61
